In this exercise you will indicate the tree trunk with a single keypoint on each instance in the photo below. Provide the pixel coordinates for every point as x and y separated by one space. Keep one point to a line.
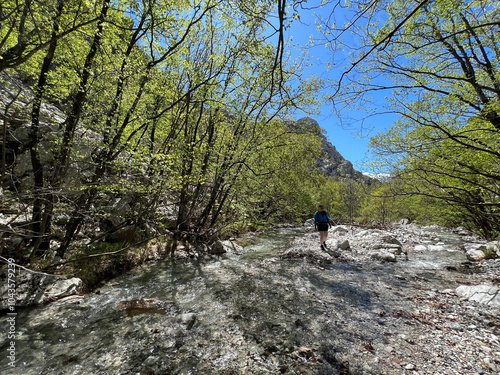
40 222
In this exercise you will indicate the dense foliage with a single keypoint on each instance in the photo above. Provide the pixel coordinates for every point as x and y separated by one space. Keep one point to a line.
439 62
174 116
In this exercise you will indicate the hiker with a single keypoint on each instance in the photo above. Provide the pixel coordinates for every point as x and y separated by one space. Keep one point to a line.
321 224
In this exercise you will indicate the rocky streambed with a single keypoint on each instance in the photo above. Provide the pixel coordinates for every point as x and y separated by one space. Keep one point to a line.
405 301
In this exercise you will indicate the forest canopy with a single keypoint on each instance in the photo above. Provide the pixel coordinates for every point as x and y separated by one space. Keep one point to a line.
174 115
437 63
179 116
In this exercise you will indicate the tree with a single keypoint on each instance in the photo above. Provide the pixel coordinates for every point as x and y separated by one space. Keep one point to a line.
40 222
350 192
165 103
126 117
26 26
278 184
441 69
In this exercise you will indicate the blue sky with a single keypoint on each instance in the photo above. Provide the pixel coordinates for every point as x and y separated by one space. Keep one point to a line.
352 142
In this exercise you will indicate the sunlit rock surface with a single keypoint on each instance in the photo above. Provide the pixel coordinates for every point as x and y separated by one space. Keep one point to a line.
279 305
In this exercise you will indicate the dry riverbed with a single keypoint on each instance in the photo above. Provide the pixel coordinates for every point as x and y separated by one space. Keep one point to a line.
281 305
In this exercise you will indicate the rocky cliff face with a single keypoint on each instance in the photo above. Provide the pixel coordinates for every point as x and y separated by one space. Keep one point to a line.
17 98
331 163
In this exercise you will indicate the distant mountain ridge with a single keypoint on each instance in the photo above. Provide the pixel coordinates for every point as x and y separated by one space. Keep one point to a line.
382 177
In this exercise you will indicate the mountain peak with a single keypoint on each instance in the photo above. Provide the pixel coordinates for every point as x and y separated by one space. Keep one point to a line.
331 163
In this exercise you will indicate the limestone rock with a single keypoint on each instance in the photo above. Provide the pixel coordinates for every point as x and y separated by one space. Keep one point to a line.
340 230
388 239
383 256
404 221
436 248
303 247
188 320
475 254
330 162
217 248
343 245
63 288
34 288
485 294
309 223
387 244
388 247
221 247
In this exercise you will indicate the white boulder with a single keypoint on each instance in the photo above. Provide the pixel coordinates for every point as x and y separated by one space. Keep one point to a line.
485 294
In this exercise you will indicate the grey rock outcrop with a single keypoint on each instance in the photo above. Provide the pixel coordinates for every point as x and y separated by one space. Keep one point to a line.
478 252
222 247
389 244
32 288
17 99
342 245
330 162
475 254
380 245
383 256
308 247
188 320
485 294
340 230
63 288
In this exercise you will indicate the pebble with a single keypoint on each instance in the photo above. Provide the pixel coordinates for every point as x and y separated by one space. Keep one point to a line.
453 325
